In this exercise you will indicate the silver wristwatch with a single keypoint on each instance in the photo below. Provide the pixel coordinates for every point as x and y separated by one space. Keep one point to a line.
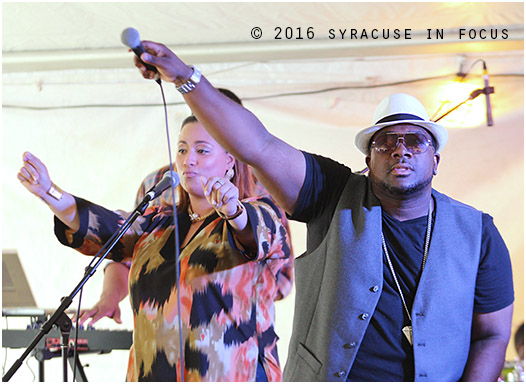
191 83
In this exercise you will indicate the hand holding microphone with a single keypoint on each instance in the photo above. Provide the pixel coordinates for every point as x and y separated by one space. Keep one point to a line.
154 60
130 38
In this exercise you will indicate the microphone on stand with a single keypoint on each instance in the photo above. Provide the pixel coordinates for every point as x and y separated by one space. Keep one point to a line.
487 91
169 178
130 38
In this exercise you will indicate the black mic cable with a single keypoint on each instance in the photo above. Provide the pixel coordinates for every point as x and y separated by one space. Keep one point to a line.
176 237
130 38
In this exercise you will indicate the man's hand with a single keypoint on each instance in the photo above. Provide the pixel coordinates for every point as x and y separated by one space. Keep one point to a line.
169 66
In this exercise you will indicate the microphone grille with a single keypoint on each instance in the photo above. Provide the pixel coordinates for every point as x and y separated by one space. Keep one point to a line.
174 176
130 38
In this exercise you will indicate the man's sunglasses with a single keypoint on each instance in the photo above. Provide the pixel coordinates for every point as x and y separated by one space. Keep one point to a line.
415 142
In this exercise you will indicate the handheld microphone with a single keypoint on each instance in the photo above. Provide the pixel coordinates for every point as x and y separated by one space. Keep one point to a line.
130 38
169 178
487 91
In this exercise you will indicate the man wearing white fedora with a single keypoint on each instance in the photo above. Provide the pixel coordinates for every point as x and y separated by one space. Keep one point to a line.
399 282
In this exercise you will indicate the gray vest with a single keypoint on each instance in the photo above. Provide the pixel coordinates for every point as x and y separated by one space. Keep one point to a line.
338 285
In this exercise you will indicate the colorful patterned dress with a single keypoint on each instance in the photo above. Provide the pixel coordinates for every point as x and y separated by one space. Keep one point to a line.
226 296
284 276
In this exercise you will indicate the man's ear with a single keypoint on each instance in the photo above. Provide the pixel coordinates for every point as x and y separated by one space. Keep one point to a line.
368 161
436 160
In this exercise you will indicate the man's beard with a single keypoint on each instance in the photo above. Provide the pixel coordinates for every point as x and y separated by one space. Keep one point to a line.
402 191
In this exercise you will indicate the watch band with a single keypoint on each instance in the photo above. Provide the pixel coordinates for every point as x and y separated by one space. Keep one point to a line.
191 83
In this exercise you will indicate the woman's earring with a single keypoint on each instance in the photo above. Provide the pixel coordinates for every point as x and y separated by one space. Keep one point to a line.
230 174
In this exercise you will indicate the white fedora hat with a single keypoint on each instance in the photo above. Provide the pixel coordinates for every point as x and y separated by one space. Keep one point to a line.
400 108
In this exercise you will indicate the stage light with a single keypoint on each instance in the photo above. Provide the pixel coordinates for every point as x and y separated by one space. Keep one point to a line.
460 107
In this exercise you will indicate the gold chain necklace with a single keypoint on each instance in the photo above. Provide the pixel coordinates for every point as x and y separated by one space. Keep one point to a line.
408 329
194 217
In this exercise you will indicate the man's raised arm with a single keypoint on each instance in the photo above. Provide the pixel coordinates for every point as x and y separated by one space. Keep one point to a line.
279 166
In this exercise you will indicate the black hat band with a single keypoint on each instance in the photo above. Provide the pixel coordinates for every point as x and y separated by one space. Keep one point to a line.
399 117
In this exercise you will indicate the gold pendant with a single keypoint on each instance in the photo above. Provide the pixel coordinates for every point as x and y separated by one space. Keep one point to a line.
408 332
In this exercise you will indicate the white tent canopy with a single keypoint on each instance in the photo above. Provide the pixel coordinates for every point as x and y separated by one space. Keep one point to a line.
86 35
72 96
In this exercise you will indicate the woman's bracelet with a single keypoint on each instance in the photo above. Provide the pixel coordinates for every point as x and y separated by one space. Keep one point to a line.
240 209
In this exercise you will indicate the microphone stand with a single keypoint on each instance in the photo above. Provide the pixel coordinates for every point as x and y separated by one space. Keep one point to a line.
59 317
